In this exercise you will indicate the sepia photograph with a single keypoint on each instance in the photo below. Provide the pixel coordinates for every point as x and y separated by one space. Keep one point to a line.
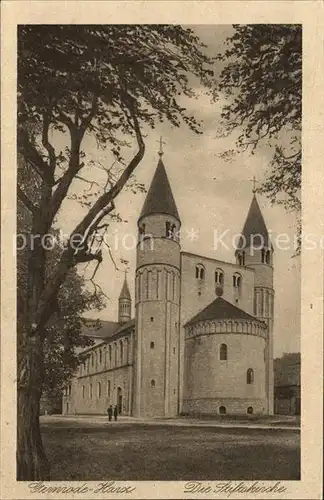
158 252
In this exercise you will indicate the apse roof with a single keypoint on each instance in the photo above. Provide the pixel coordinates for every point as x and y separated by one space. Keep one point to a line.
221 309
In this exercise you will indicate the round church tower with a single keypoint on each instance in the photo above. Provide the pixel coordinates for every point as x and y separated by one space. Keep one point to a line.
224 361
157 302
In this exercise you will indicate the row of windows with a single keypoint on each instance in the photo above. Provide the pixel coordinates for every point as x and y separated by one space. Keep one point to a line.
115 354
170 231
265 257
219 276
99 391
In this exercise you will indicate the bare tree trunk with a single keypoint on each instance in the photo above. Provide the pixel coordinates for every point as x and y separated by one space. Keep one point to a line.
32 463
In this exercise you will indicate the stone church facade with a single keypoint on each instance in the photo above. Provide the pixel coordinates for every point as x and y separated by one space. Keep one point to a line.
201 341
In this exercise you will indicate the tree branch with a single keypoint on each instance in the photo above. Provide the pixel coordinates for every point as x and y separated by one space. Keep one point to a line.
46 143
94 215
26 201
87 120
30 152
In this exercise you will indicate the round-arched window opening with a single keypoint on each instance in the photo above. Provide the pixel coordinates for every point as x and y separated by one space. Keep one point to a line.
250 410
152 383
222 410
152 345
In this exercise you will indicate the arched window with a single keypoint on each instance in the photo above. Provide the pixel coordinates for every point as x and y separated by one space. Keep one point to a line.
127 350
109 350
222 410
152 383
241 259
152 345
121 352
219 276
263 255
142 229
90 391
167 229
268 257
250 410
170 230
108 388
200 272
70 389
100 356
99 390
249 376
223 352
83 391
237 280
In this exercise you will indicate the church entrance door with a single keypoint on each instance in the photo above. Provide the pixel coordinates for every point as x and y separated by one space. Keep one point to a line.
119 400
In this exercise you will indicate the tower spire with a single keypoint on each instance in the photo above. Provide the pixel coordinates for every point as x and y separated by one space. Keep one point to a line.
124 302
255 230
159 199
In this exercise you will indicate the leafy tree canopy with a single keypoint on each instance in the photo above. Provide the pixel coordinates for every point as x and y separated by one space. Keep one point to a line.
262 80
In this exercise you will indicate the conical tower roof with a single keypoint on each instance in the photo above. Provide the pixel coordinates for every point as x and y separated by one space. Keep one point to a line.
125 293
159 199
254 226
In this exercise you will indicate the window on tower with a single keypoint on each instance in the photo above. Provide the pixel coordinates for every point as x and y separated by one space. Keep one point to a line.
241 259
263 256
142 229
249 376
237 280
219 276
268 257
170 230
200 272
223 352
121 345
167 229
152 383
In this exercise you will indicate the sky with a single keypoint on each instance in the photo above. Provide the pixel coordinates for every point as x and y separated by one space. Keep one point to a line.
211 195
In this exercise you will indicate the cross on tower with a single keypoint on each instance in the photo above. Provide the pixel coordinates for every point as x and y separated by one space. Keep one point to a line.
161 146
254 183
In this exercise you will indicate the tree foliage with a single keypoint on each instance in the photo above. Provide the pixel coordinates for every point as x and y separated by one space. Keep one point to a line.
262 81
112 83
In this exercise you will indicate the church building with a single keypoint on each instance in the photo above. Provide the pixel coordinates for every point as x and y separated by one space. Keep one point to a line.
201 341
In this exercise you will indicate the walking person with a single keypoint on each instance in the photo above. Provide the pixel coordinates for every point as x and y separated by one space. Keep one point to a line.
110 412
115 412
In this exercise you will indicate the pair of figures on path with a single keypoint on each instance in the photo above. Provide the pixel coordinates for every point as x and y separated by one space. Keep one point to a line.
111 411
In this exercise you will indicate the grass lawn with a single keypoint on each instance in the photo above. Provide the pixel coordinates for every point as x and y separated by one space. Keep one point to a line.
125 451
